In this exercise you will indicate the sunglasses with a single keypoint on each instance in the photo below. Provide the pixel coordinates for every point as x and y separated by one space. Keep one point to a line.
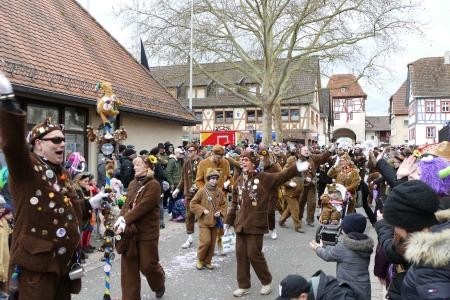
56 140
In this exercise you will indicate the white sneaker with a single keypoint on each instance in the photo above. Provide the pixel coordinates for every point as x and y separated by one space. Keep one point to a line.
241 292
266 289
188 243
274 235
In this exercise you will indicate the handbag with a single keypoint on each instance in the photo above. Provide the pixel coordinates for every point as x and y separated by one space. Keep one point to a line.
228 241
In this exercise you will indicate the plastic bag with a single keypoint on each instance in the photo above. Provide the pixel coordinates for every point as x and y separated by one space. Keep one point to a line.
228 241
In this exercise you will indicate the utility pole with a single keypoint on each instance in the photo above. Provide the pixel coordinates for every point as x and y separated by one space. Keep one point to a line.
190 65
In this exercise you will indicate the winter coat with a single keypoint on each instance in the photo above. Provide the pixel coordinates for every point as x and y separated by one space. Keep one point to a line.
174 170
429 252
47 208
200 202
352 254
188 176
385 233
142 207
249 207
328 288
126 174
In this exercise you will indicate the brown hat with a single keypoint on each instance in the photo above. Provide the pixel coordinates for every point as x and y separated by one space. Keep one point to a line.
218 149
42 129
252 155
211 172
263 152
192 145
442 150
149 160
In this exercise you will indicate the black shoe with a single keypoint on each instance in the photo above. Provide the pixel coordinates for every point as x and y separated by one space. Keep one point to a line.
162 226
160 293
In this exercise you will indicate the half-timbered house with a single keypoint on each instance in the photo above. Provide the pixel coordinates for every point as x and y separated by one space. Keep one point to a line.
398 112
303 117
378 130
428 98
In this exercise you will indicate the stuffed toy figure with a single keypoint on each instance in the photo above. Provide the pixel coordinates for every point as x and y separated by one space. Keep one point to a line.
330 199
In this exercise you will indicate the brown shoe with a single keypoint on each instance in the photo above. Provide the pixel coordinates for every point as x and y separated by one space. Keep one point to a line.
282 224
199 265
209 266
299 229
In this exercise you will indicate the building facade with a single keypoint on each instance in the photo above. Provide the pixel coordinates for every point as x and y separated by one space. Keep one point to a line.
378 130
428 98
398 113
347 104
303 119
54 63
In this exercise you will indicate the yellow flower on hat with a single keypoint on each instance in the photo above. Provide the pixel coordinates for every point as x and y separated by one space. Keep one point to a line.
417 153
152 159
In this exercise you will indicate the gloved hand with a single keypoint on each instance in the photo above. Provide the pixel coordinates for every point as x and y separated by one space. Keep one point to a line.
120 224
302 165
96 201
332 148
165 186
226 184
337 161
226 227
175 193
292 184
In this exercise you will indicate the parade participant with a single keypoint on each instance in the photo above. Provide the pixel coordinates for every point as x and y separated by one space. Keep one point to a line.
279 156
292 191
267 164
210 207
220 164
308 197
345 173
140 215
248 215
5 231
81 182
48 211
352 255
160 176
187 185
126 171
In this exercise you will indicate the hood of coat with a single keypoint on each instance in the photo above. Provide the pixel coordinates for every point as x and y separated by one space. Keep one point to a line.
364 244
431 248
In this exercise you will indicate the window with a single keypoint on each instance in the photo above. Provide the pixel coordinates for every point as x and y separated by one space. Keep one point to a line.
431 132
317 120
74 125
198 115
198 92
430 106
445 106
38 113
259 115
350 115
336 116
251 116
285 115
342 89
74 119
229 116
405 122
295 114
312 117
372 137
412 133
219 117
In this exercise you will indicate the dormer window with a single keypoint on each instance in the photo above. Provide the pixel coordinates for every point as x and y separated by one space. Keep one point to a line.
198 92
343 89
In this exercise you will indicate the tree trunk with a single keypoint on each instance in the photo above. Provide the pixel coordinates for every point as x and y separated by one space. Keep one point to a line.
277 122
267 123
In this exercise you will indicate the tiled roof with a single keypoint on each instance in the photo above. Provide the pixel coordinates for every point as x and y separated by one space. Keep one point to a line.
430 77
300 82
57 47
379 123
344 85
397 101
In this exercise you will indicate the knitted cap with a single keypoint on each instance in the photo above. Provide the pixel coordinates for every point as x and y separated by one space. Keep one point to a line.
211 172
354 223
411 205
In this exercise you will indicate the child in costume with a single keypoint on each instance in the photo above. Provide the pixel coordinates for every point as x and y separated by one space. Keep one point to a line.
209 206
331 205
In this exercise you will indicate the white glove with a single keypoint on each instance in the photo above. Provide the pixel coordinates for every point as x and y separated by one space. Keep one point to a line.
332 148
337 161
292 184
96 201
226 227
120 223
302 165
226 184
165 186
175 193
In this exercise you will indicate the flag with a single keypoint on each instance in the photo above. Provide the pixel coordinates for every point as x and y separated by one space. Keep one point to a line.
144 60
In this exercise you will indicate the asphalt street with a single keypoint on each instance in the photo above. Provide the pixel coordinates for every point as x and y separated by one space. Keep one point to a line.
289 254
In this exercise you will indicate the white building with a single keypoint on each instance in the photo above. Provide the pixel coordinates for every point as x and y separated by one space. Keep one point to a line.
428 98
398 117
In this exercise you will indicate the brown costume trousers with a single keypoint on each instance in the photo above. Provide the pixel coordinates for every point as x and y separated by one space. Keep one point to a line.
291 211
249 251
34 285
190 218
308 198
206 244
147 262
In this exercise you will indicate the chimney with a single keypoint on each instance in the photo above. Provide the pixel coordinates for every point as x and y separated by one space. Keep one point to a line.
447 58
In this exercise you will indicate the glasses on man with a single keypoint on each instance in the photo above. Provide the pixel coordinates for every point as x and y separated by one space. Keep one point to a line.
191 150
55 140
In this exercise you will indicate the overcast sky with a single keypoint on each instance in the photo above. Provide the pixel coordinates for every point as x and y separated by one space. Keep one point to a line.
435 14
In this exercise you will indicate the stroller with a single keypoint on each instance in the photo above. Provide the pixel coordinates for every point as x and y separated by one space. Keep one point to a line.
330 227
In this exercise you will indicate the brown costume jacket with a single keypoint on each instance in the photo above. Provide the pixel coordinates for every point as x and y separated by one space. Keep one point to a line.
247 217
142 208
315 160
188 176
348 178
46 234
200 202
223 167
289 191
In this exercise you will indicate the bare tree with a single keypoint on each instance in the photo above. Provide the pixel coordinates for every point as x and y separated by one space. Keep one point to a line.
269 40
